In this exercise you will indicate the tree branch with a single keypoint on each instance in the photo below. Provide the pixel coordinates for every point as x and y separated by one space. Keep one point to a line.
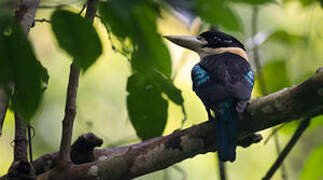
21 143
20 168
26 13
4 101
301 128
297 102
68 121
70 108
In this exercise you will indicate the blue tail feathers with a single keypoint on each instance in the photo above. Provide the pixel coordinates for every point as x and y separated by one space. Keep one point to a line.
226 127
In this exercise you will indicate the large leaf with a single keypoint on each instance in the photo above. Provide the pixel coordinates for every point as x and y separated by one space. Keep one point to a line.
217 13
18 64
313 165
152 53
118 15
285 37
77 37
167 86
275 75
137 20
146 107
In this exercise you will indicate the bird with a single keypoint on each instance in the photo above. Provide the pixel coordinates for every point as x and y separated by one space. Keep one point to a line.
223 80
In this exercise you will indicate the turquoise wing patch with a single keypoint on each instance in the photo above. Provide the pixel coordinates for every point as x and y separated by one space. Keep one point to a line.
200 75
250 77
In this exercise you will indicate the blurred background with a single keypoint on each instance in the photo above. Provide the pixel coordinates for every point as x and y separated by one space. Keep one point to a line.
290 39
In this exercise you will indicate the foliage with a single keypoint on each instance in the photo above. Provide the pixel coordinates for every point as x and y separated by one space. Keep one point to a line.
312 168
150 86
74 34
150 62
19 66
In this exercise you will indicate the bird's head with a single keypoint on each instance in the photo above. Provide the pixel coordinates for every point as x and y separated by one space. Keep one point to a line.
210 43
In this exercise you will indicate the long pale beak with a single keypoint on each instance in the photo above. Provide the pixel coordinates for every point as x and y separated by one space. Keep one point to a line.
189 42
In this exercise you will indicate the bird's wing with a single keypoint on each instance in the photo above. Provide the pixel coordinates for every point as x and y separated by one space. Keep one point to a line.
230 72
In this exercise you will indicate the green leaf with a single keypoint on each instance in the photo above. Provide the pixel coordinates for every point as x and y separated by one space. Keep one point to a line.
18 64
137 21
217 13
43 75
167 86
313 165
146 107
307 2
275 75
77 37
285 37
254 2
118 15
151 53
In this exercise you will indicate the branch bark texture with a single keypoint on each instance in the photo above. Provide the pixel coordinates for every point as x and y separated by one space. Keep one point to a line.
298 102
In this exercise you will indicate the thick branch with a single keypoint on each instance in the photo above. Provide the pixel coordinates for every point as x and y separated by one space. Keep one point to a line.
70 109
298 102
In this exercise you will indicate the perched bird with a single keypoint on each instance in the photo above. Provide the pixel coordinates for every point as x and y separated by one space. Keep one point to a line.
223 80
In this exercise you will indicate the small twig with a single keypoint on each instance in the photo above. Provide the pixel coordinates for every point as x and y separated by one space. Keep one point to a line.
59 5
83 8
70 113
300 130
20 146
256 56
181 171
222 170
185 116
166 174
42 20
4 102
70 108
113 47
29 128
272 133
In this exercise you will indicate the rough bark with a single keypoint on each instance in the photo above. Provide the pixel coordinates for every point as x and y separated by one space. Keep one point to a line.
294 103
26 14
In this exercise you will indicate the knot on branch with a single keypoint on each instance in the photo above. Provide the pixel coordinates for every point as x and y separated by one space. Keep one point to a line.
82 148
319 70
249 140
21 170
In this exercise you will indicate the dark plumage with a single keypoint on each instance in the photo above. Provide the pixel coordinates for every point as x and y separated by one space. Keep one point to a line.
218 39
225 89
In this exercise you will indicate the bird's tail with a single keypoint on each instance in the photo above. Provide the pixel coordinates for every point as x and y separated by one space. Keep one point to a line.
226 127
